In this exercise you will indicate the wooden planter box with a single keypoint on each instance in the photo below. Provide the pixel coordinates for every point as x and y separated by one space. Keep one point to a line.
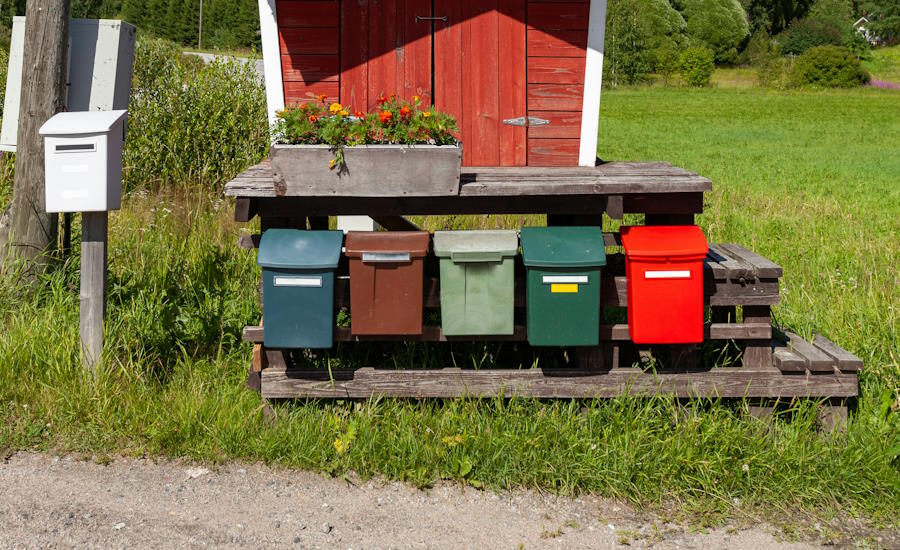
371 170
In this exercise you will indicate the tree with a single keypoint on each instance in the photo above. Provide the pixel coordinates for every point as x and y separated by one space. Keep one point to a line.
884 19
639 33
32 232
719 24
774 16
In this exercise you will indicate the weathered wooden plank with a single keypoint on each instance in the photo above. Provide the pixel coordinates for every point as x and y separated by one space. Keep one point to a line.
758 352
244 209
555 97
787 361
558 16
297 13
551 70
763 267
735 268
552 152
296 93
563 124
310 68
308 40
608 333
354 39
816 359
560 383
556 43
93 285
512 82
846 361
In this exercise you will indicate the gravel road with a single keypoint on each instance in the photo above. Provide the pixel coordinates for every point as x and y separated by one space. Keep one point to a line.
53 502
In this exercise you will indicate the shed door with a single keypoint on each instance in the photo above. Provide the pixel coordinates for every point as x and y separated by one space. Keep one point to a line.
479 76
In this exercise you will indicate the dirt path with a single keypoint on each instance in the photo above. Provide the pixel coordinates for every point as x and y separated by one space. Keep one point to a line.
48 501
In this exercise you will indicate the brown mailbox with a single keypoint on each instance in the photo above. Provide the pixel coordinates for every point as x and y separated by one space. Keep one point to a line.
386 271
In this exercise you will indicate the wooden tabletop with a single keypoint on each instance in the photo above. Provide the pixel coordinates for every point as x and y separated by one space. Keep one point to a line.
614 178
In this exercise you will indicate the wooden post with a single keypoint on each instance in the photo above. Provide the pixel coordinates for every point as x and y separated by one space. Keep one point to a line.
32 231
93 285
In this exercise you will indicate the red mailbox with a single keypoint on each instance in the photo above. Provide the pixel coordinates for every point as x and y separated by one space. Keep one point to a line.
664 266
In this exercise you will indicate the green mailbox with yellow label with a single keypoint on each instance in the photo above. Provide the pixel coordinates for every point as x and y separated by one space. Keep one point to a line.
563 284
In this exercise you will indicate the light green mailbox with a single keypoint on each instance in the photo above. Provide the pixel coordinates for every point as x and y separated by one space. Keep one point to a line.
477 281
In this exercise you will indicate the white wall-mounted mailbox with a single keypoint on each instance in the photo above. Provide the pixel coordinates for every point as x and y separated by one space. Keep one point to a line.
83 161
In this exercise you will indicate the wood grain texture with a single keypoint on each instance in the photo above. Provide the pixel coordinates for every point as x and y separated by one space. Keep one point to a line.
93 285
556 43
354 40
383 39
481 61
308 41
846 361
558 16
310 68
512 97
555 97
563 124
296 93
448 84
816 359
562 383
304 13
556 70
552 152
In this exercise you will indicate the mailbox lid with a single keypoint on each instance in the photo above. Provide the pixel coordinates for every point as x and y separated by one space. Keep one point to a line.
298 249
563 246
682 242
479 245
82 123
414 243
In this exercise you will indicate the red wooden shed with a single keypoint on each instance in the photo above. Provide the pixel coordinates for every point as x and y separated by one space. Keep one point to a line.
522 77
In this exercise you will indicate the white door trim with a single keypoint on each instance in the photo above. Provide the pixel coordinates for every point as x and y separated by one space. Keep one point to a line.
593 83
271 50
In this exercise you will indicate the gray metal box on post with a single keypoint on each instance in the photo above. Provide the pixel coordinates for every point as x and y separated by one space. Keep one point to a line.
101 55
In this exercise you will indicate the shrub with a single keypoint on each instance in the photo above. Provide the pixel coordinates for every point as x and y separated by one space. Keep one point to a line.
828 22
192 125
762 54
828 67
697 65
719 24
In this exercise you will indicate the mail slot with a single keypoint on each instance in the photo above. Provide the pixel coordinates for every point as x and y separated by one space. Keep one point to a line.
664 268
83 161
477 281
386 272
563 284
298 287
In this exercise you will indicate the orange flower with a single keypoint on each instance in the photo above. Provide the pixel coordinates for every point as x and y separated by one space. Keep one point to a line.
385 116
382 100
404 111
322 97
426 114
313 118
360 114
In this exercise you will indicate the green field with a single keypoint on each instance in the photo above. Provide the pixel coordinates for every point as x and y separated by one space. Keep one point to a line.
884 64
809 179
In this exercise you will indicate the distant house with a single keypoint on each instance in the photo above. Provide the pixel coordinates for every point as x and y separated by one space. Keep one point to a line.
861 27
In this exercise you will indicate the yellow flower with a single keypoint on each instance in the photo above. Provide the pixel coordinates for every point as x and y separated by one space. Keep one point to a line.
426 114
331 164
345 112
336 108
416 99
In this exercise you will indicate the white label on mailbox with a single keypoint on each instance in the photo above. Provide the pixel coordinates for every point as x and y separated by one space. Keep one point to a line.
74 168
675 274
308 282
385 256
565 279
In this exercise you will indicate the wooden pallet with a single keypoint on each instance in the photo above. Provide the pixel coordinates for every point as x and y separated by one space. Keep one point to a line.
740 287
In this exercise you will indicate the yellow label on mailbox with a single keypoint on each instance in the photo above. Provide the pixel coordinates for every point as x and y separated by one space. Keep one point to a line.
563 289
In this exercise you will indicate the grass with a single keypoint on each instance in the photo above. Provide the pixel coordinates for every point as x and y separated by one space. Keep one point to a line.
884 64
805 178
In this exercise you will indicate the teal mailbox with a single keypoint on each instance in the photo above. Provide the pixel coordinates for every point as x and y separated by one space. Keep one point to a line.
298 287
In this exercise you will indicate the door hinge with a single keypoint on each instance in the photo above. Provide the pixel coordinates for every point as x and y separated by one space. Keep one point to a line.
526 121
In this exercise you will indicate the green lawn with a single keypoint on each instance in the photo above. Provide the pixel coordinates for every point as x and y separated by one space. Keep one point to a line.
884 64
809 179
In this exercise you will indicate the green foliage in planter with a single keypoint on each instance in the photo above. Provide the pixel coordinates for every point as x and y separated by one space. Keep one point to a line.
828 67
394 121
697 66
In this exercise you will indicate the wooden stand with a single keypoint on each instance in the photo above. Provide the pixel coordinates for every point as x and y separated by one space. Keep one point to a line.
739 288
93 285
